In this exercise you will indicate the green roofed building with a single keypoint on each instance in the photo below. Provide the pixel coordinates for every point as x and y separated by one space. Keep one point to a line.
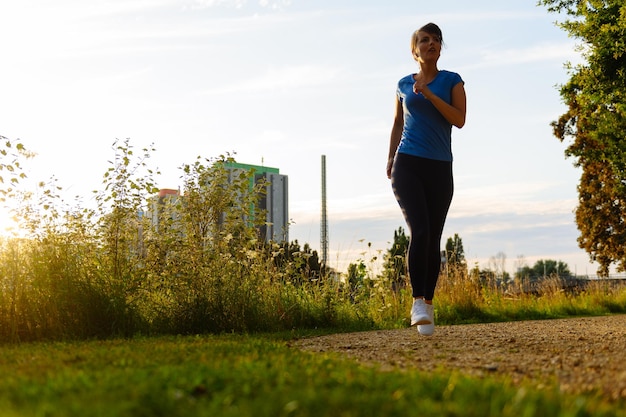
275 202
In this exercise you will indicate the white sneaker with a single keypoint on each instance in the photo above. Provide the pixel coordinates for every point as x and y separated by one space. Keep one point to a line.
419 313
428 329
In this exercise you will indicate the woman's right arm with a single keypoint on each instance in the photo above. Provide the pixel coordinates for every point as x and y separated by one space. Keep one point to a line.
396 134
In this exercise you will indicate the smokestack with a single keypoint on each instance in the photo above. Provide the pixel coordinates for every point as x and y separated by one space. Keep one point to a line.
324 219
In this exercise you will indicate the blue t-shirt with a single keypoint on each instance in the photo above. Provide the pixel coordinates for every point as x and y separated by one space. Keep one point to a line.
426 133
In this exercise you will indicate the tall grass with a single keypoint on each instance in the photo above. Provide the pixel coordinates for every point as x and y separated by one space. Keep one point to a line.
464 298
197 264
135 265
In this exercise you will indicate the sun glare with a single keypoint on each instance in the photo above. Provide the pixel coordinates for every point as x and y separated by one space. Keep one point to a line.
8 226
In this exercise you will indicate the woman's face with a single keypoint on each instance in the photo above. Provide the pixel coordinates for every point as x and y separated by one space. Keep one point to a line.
427 47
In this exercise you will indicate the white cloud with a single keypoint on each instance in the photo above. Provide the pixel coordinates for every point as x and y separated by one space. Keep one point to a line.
281 79
478 206
280 4
238 4
542 52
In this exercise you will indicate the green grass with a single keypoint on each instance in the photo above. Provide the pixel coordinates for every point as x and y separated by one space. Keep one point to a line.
240 375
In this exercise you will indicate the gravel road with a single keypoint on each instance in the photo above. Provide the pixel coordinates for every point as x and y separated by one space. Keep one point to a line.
582 355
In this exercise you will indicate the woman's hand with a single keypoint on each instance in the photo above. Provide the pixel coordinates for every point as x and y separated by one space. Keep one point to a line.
389 166
421 86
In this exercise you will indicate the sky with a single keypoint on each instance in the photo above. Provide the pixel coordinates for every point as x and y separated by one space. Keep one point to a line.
281 83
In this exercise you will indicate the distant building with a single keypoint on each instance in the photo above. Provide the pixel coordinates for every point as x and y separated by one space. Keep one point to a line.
275 201
158 206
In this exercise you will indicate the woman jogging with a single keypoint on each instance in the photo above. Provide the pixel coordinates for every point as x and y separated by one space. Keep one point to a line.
419 165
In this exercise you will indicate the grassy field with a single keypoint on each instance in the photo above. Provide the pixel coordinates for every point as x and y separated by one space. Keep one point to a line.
241 375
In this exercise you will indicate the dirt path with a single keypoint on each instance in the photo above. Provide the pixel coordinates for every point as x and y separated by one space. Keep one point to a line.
582 354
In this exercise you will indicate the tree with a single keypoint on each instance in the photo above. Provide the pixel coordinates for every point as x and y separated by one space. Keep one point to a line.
596 124
544 268
497 267
455 254
357 274
394 266
299 264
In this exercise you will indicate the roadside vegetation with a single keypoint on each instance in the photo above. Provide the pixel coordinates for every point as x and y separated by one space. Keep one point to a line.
148 305
160 305
197 263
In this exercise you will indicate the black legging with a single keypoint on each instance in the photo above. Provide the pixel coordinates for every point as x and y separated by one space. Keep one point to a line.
423 188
